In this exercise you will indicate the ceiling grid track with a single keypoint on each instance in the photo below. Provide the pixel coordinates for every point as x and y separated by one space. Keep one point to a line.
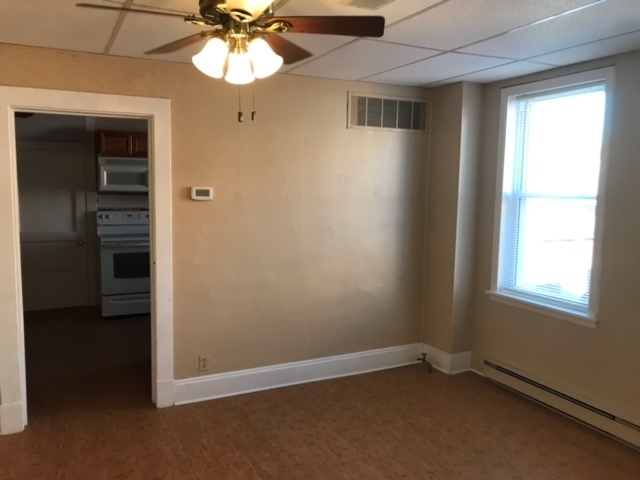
457 49
404 19
483 42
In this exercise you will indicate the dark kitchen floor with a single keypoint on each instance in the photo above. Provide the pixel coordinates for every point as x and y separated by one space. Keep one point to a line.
76 346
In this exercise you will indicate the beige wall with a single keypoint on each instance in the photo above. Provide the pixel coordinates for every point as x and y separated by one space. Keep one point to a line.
464 273
313 245
442 207
601 365
451 211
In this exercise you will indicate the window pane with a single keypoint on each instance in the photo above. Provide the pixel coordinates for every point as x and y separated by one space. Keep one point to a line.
555 248
561 138
553 149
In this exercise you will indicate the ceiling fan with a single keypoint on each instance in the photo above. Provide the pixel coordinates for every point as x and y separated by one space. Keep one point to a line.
243 43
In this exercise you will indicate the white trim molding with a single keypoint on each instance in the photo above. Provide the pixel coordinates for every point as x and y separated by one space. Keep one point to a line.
11 418
449 363
221 385
13 395
499 290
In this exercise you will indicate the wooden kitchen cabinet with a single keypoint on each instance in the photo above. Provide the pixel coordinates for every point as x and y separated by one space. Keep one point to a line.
122 144
139 144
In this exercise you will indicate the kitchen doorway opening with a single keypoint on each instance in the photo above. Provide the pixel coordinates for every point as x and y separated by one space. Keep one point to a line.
156 114
83 195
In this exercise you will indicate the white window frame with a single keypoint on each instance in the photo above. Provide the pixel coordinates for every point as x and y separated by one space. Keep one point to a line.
508 98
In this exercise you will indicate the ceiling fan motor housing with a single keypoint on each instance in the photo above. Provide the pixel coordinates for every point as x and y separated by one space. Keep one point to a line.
209 9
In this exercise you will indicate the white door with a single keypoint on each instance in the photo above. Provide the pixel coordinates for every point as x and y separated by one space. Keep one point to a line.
51 189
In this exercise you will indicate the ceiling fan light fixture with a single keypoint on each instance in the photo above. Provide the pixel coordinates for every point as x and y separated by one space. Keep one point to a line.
212 58
254 8
239 70
264 60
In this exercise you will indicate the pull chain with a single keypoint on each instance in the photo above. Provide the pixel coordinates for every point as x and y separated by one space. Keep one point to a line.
253 106
240 114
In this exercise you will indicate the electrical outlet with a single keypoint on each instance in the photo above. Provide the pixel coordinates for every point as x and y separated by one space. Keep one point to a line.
204 362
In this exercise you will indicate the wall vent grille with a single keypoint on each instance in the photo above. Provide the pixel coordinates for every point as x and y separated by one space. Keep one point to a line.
387 113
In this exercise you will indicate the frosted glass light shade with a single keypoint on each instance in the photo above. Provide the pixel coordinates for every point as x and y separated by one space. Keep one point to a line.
239 69
265 61
254 7
210 60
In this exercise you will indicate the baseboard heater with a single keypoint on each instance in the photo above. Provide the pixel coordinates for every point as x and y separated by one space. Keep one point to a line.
606 422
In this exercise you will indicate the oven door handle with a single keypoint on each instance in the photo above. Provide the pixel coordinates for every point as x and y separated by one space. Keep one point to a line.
124 244
128 300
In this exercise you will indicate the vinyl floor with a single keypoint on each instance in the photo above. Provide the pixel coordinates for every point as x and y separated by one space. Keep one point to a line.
397 424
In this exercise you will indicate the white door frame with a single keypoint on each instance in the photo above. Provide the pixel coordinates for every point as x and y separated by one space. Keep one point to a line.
13 401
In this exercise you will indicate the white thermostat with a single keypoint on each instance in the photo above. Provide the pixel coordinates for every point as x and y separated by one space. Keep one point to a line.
201 193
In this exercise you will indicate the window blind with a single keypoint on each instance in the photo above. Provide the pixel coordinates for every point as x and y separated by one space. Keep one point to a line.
550 196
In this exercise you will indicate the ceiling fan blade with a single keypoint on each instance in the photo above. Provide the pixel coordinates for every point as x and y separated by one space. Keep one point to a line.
289 51
354 26
182 43
131 10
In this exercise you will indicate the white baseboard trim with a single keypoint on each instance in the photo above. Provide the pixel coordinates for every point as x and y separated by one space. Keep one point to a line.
221 385
11 420
449 363
165 393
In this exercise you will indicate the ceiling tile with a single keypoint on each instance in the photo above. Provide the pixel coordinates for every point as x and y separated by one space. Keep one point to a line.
501 72
43 23
316 44
460 22
600 21
436 69
362 58
321 44
392 12
174 6
605 29
140 33
590 51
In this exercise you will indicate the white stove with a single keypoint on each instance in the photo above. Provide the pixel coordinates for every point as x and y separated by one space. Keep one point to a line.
124 262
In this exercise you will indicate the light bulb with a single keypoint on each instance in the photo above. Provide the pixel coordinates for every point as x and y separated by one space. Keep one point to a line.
210 60
265 61
239 69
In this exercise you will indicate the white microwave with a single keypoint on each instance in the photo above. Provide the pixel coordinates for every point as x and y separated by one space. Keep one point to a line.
124 175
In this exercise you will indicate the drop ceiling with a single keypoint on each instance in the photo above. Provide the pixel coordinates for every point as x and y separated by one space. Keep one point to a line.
426 42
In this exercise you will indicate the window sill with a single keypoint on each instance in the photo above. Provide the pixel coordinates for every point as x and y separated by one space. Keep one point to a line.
568 316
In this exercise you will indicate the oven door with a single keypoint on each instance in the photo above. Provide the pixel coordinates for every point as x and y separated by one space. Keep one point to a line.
125 267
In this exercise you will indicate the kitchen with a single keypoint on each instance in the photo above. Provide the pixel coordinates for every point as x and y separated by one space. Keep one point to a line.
83 193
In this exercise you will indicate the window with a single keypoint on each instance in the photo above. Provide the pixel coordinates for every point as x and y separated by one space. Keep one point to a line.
550 211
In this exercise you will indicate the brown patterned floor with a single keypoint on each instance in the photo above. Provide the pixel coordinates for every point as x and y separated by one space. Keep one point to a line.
397 424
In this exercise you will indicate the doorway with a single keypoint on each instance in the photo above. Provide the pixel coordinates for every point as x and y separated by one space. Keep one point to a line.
13 407
67 263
